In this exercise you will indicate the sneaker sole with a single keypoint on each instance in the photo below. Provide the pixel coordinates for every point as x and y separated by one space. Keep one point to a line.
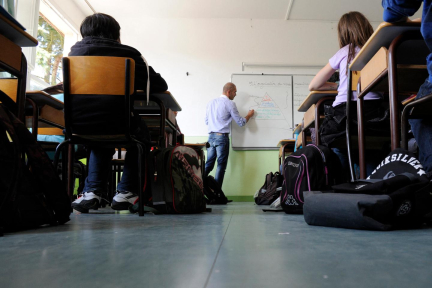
84 209
120 205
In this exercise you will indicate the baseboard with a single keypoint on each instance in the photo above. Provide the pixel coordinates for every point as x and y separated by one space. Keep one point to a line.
241 198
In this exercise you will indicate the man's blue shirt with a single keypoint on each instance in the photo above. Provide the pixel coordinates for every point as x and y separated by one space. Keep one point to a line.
220 112
396 10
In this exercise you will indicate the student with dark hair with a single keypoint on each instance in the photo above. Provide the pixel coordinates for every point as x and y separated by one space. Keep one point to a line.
101 37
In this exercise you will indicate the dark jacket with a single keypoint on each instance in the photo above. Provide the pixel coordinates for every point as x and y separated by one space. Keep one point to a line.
103 114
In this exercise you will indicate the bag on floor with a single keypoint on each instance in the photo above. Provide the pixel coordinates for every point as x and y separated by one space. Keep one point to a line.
177 186
400 199
31 193
213 192
308 169
271 189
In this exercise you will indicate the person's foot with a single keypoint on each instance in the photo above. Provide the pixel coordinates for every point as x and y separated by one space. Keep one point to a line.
88 200
123 200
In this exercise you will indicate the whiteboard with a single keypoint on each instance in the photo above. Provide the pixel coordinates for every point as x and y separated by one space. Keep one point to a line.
300 91
271 96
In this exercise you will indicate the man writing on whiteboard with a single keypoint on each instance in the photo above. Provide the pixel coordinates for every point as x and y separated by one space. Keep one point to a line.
220 112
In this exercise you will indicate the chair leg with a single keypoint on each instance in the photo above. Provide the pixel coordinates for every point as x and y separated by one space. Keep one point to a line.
404 129
70 171
57 152
141 153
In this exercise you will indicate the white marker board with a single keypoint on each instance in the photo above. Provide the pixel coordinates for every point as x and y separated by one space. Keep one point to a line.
275 99
300 92
270 95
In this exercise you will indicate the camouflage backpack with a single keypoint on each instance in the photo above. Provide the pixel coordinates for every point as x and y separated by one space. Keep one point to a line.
177 186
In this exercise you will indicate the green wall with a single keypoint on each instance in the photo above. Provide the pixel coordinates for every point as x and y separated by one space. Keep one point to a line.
245 172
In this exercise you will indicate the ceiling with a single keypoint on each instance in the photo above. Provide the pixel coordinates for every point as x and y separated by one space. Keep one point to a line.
298 10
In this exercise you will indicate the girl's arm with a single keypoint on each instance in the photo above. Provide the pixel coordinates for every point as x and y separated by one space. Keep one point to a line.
321 78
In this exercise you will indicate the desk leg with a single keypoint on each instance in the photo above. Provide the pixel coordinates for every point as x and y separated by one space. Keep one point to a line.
22 89
303 135
348 121
361 141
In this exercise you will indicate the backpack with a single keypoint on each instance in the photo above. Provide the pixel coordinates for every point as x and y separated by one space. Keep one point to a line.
271 189
177 186
213 192
31 193
397 195
310 168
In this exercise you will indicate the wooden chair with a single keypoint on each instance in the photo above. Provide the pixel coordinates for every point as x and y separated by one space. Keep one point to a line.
9 88
111 76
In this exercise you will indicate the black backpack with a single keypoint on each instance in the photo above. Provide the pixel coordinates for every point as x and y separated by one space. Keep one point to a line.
31 193
177 186
213 192
310 168
397 195
271 189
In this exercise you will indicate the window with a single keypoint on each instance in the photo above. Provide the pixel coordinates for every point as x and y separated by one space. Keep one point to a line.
56 36
49 53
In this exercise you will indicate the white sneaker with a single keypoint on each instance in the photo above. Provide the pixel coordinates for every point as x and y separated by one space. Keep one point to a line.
88 200
123 200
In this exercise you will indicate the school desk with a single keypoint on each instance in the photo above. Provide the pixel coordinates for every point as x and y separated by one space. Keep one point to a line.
12 38
159 103
312 105
286 147
392 60
44 111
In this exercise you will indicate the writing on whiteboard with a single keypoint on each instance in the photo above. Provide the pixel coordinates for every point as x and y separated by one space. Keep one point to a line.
266 109
264 84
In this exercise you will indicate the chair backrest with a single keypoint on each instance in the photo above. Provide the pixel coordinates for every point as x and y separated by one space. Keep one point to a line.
9 86
102 86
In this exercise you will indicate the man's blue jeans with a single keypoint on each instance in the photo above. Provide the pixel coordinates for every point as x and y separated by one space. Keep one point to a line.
99 167
422 130
219 148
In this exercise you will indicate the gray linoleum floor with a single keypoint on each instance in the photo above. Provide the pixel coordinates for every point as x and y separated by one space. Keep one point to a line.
236 245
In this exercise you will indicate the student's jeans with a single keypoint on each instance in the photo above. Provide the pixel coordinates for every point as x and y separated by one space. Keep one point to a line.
219 148
99 169
373 158
99 166
422 130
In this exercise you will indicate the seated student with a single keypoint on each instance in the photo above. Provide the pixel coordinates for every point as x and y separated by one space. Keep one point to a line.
395 11
101 37
353 32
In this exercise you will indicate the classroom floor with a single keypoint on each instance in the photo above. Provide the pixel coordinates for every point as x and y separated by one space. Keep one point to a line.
236 245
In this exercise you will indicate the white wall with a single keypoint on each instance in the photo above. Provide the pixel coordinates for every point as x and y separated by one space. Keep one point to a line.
212 49
69 10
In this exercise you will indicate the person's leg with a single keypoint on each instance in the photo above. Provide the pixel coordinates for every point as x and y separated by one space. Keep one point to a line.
127 188
99 167
343 158
222 150
422 130
211 156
